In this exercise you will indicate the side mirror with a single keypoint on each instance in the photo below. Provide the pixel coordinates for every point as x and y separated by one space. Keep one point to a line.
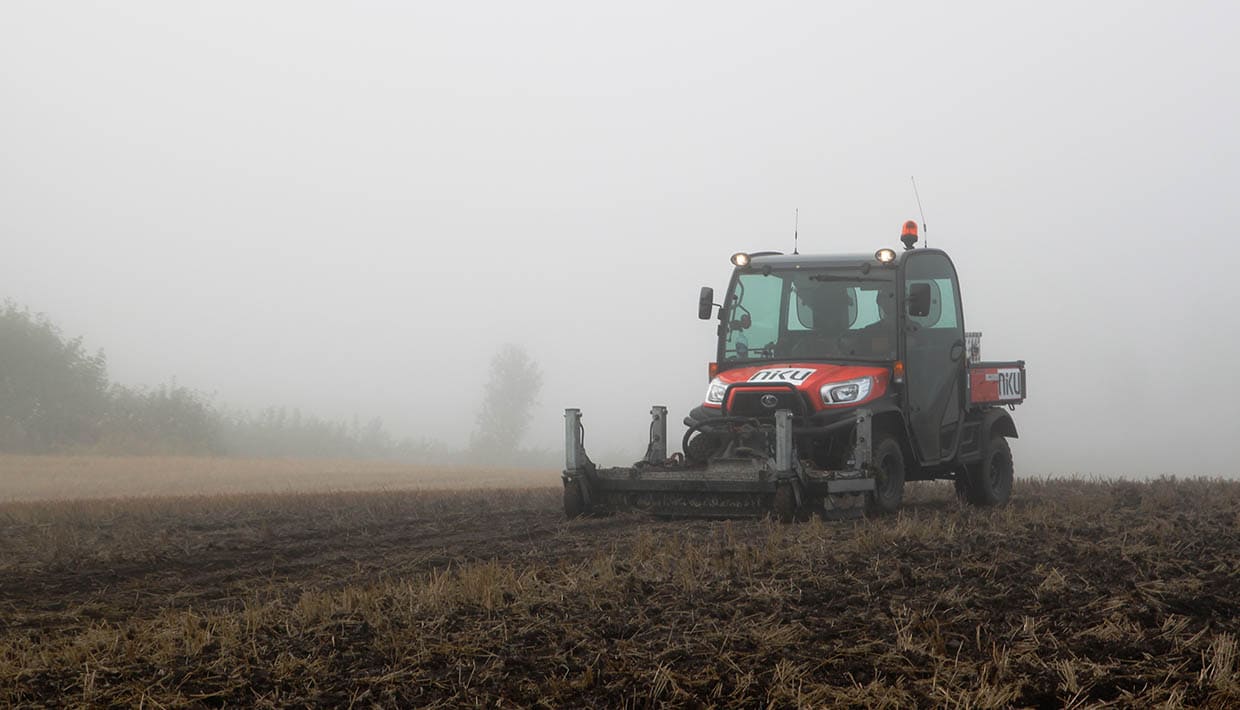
919 300
706 302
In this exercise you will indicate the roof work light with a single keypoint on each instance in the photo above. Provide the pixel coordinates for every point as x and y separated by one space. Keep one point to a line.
885 256
740 258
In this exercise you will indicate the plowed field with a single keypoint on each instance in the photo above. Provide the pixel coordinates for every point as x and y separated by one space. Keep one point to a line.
1079 593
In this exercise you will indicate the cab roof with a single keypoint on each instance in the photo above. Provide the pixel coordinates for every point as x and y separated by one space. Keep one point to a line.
774 260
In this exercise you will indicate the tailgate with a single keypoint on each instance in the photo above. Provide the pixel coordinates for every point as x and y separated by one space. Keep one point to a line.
997 382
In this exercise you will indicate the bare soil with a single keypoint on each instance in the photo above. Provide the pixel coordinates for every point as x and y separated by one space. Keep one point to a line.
1080 593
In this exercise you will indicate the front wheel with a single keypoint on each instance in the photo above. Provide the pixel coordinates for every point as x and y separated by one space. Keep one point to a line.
888 490
988 482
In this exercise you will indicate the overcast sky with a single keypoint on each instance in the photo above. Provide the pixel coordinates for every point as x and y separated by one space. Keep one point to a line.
346 207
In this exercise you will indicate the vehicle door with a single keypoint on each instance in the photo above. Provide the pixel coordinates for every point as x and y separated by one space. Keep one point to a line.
933 354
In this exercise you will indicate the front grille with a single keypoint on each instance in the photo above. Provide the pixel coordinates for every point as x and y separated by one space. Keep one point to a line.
749 402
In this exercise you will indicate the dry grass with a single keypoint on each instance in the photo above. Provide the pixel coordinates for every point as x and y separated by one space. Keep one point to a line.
25 478
1080 594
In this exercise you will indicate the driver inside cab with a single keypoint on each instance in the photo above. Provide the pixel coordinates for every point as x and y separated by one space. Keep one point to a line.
831 312
878 338
824 308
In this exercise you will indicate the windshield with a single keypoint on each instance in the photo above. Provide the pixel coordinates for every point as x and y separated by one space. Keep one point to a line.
811 314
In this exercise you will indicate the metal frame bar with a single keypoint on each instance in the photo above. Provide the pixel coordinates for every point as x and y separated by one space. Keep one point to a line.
573 447
656 452
863 451
783 444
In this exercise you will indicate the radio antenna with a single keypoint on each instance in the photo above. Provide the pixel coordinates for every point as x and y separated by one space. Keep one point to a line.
796 228
925 230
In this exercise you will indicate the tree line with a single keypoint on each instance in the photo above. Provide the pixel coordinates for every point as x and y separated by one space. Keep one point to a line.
56 397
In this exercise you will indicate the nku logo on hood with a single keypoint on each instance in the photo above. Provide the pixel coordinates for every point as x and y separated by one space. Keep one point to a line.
790 375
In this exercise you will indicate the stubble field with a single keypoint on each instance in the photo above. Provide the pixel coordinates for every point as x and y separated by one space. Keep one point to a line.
1080 593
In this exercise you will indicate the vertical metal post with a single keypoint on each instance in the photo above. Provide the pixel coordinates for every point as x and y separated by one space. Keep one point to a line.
657 451
863 449
572 441
783 441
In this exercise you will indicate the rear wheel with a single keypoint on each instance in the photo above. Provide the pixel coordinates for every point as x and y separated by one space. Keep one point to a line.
989 482
574 501
888 478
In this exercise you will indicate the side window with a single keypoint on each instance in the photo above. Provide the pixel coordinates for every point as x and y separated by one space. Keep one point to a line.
947 305
931 319
936 271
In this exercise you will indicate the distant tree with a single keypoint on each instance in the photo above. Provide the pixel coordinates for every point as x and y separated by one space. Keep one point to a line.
167 420
507 402
52 392
55 397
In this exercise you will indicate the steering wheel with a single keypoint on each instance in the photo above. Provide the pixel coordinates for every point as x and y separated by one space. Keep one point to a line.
847 343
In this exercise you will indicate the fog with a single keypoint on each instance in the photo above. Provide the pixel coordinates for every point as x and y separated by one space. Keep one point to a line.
347 207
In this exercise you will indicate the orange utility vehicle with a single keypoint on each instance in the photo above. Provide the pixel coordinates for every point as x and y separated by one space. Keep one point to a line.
836 380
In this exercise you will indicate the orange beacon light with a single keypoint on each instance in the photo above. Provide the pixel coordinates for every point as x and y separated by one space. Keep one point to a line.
908 234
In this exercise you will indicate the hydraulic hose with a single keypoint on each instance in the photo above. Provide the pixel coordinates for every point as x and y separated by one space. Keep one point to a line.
796 431
684 442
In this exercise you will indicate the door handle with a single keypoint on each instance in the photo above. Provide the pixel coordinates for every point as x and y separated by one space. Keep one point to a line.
957 350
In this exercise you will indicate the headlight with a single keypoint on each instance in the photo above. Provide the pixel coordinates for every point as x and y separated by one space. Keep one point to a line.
715 391
850 391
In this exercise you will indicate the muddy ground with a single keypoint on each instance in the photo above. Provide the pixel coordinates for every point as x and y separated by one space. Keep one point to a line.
1079 593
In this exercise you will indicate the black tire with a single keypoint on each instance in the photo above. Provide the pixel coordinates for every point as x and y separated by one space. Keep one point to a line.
574 501
701 447
988 482
888 478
